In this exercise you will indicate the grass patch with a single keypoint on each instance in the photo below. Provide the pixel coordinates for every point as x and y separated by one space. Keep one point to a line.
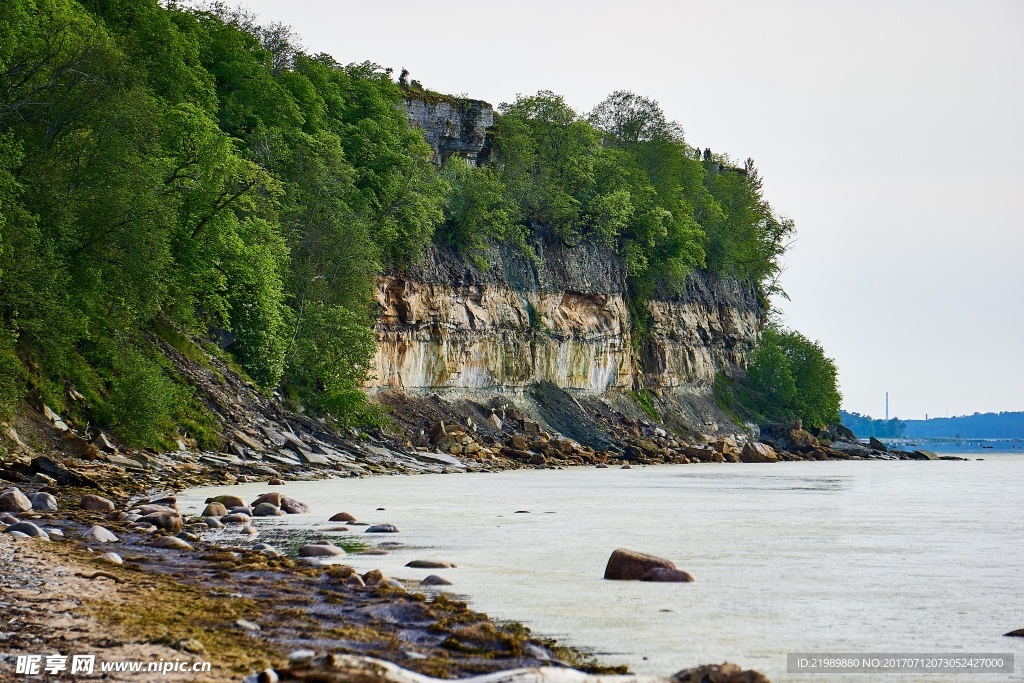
288 541
645 401
359 634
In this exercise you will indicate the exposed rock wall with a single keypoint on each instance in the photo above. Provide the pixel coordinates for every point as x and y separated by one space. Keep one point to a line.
447 325
712 326
452 125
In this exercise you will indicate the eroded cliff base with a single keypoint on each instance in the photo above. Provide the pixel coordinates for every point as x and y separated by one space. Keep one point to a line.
546 427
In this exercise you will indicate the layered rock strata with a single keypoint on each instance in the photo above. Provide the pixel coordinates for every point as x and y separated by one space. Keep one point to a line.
563 317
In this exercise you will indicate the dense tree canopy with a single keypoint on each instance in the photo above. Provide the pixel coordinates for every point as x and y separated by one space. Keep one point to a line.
623 176
791 378
163 169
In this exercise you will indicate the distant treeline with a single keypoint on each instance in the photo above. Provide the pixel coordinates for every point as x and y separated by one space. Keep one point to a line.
864 426
978 426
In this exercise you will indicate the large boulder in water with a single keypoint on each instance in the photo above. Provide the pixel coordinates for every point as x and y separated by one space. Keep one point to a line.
215 510
267 510
320 550
293 507
629 565
342 517
758 452
876 445
719 673
227 501
274 498
435 580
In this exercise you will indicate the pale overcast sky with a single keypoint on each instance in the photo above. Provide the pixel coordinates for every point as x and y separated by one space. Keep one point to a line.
890 131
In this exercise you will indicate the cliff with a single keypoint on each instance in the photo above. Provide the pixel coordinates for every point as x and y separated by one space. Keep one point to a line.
449 328
451 125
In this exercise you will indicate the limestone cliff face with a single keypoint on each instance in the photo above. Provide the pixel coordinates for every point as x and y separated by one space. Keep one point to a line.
712 326
452 126
447 325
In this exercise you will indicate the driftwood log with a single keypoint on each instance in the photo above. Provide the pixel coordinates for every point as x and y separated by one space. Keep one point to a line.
337 668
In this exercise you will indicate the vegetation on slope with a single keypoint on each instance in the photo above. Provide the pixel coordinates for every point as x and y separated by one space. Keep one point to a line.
789 378
164 169
181 174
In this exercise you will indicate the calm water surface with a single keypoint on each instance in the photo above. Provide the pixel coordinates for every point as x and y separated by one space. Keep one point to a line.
789 557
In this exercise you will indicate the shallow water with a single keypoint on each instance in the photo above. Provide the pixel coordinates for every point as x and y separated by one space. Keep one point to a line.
789 557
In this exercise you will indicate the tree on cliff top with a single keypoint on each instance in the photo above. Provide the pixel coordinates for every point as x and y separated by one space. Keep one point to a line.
625 177
632 119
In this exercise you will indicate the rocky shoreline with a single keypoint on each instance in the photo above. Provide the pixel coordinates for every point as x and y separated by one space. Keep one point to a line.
99 560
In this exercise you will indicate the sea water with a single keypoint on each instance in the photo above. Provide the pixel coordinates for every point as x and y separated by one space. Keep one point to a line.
840 556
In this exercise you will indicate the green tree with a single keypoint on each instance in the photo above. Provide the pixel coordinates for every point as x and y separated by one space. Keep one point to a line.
478 212
546 152
789 378
632 120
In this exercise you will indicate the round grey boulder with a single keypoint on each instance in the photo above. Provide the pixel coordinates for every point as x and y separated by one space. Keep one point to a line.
267 549
171 543
235 518
435 580
431 564
111 558
267 510
320 550
663 575
100 534
382 529
44 501
293 507
13 500
29 529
